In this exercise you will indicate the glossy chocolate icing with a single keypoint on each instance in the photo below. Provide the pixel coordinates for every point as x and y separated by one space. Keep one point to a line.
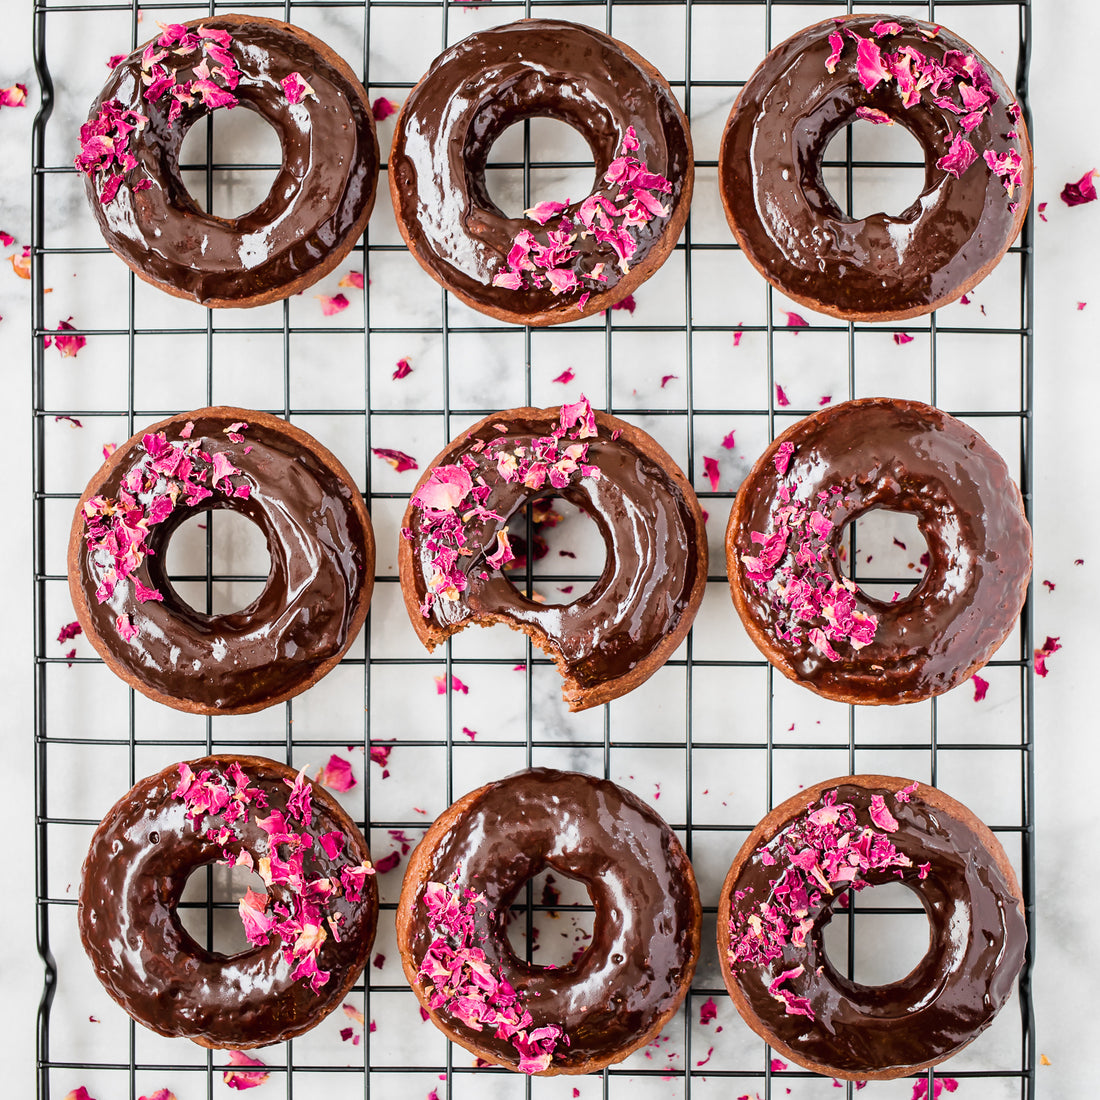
139 861
653 566
976 949
325 186
788 223
645 935
903 456
321 552
471 94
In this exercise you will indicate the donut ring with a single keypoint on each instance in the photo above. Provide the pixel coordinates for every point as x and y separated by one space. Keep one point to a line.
798 1002
139 861
903 456
619 103
977 183
645 938
318 205
319 538
618 634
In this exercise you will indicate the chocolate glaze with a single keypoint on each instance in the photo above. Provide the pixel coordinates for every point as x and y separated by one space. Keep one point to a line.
976 949
535 68
645 936
788 223
322 560
317 205
656 554
139 861
903 456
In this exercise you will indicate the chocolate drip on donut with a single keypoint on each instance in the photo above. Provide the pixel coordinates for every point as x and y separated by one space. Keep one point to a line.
881 266
139 861
639 961
318 203
977 939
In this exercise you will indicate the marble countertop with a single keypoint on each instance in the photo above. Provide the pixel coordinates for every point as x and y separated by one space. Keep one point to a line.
485 371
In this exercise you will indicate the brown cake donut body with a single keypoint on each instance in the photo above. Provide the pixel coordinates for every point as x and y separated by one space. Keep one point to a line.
318 205
817 627
790 993
618 634
543 68
140 859
319 538
977 183
639 963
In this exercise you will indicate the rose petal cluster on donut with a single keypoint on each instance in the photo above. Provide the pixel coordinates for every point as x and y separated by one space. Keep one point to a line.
819 628
809 857
310 934
904 71
455 543
319 203
453 914
564 260
319 539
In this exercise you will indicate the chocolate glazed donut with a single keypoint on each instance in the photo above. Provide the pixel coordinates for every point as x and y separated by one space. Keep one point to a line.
645 937
791 994
977 181
824 472
477 89
319 539
619 633
318 205
139 861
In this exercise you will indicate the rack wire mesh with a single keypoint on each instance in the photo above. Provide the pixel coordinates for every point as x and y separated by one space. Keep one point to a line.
716 735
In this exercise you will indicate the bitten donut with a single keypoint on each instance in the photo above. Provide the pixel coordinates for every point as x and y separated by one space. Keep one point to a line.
453 912
455 543
310 934
802 861
977 177
819 628
319 539
318 205
561 260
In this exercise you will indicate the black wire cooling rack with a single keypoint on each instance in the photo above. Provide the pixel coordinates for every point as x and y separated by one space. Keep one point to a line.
715 715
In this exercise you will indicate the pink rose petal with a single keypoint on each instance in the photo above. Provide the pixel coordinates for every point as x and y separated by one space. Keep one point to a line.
403 369
728 441
881 815
566 376
980 687
902 338
333 304
337 774
710 471
353 279
15 96
781 398
837 43
242 1079
397 459
874 116
445 489
296 88
1084 190
382 108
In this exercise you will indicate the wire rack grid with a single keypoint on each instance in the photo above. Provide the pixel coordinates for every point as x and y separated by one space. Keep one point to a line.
715 735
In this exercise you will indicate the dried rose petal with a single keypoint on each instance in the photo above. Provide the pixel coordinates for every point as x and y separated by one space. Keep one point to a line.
708 1011
332 305
884 27
241 1079
959 156
837 43
626 303
544 211
353 1013
824 399
353 279
1040 208
1081 306
710 471
15 96
397 459
782 457
21 264
67 345
728 441
295 88
881 815
795 320
781 398
777 1065
1084 190
870 67
456 685
403 370
79 1093
666 378
875 116
445 489
382 108
337 774
1051 645
68 632
902 338
160 1094
980 687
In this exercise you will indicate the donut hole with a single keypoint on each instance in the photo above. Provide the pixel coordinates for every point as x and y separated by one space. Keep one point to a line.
886 165
877 935
218 562
558 162
209 911
229 163
550 923
568 555
889 552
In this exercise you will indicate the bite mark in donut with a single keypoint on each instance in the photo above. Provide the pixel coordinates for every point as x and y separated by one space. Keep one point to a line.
455 542
322 196
977 179
807 857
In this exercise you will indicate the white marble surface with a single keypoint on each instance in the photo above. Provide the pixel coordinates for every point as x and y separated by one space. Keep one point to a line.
486 372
